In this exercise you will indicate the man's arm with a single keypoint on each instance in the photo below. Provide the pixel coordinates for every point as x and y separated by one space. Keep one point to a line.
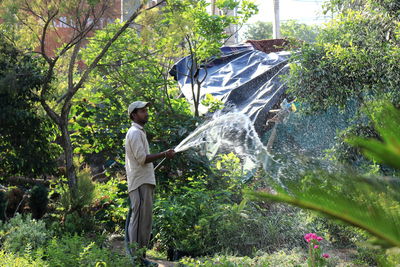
170 153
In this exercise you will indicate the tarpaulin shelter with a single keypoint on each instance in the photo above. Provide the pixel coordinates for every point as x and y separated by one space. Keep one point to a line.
247 76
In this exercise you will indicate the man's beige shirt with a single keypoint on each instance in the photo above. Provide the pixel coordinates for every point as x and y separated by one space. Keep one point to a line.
136 149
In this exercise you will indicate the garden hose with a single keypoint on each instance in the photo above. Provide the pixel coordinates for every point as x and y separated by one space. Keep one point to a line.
158 165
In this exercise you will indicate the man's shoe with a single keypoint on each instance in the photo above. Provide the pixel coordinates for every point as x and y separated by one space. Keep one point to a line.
146 262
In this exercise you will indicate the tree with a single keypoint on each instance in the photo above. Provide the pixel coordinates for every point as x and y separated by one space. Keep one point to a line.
354 60
99 114
299 31
259 30
56 94
355 57
26 137
290 29
202 33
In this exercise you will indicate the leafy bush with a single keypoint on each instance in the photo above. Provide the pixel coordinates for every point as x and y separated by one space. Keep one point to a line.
78 251
338 234
208 215
110 205
14 260
38 201
3 205
22 232
83 197
279 258
26 137
97 206
74 206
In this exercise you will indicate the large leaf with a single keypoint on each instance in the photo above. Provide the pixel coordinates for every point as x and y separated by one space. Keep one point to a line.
386 119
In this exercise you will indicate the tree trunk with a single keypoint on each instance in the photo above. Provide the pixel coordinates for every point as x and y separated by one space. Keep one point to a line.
68 153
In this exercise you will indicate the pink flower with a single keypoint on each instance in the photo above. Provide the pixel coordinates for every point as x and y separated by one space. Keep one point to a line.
316 246
325 255
313 236
307 238
310 236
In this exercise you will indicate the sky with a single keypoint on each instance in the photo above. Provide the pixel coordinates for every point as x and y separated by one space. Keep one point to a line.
305 11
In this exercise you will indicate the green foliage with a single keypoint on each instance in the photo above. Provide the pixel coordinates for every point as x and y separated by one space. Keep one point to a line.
280 258
79 251
386 120
368 203
300 31
208 215
100 119
289 29
110 203
16 260
65 251
203 32
213 104
353 61
73 208
259 30
21 233
338 234
3 204
353 58
25 136
83 197
38 201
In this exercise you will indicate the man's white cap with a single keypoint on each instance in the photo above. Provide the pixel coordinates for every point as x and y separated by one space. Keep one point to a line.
135 105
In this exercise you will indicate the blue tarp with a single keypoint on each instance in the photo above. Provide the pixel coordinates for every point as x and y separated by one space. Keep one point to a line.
242 76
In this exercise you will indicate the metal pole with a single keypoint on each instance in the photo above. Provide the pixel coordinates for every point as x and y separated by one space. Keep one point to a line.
276 21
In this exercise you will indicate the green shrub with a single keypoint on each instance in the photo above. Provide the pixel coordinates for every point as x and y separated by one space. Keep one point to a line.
73 208
280 258
208 215
3 205
242 230
14 260
78 222
83 197
199 222
338 234
110 205
21 233
38 201
77 251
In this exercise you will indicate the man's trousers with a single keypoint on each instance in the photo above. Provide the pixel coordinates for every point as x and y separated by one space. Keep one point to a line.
142 214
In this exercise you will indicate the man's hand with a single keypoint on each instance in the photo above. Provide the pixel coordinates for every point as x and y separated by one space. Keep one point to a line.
169 154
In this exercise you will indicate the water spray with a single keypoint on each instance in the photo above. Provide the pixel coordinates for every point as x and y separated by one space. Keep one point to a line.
280 117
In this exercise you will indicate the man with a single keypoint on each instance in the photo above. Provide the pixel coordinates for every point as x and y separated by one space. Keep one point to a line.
140 174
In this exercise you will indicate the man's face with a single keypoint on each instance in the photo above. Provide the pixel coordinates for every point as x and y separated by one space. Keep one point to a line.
141 115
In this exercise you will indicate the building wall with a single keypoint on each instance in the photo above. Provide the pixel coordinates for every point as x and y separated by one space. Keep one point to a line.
63 29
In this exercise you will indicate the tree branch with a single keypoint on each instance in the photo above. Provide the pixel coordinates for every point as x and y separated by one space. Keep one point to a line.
44 32
85 75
